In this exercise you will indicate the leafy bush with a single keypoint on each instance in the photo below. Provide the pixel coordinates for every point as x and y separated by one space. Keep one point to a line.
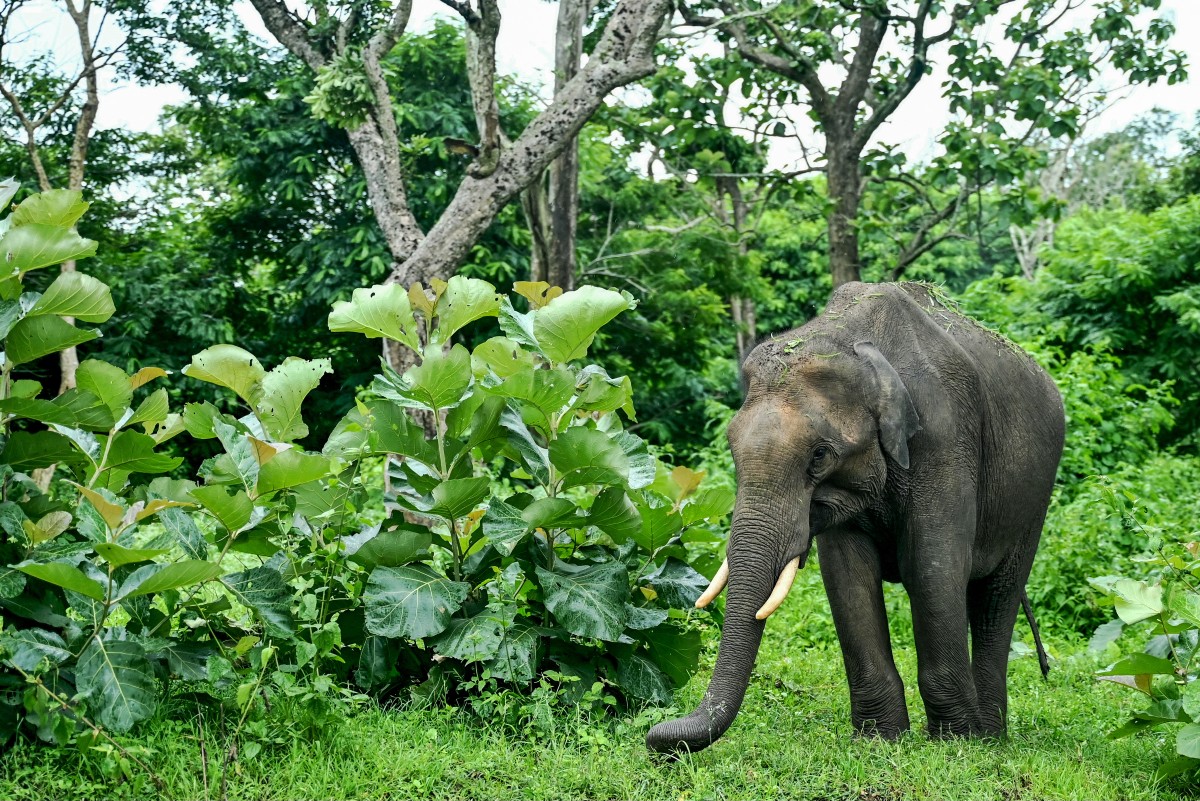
531 532
114 585
528 541
1165 604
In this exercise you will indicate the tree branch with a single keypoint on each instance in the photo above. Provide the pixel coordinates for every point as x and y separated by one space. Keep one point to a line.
290 31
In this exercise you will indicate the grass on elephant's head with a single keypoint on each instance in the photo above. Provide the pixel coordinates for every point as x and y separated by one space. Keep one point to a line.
791 740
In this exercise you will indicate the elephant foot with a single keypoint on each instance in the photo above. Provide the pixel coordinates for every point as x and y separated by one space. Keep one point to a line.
953 728
879 730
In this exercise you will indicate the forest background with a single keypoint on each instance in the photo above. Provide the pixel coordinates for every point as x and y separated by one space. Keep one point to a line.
718 169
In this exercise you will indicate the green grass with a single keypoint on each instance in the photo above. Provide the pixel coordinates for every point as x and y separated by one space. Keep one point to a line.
792 740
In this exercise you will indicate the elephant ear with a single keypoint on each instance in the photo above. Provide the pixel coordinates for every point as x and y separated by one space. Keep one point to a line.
893 407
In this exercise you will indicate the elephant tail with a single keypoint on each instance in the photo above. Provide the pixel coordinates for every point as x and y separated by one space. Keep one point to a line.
1043 660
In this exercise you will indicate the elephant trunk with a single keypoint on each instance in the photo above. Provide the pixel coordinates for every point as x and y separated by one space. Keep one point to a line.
756 559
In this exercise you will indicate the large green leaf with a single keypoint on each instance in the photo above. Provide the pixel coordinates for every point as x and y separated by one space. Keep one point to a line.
542 393
72 409
61 208
118 681
675 651
1187 741
599 393
1137 664
517 656
641 678
588 602
379 311
458 497
291 468
134 452
35 337
118 555
228 366
33 246
504 526
265 591
388 548
659 525
525 448
502 356
711 503
281 391
185 532
8 190
677 584
441 379
26 648
642 465
463 300
107 382
411 601
548 513
613 513
566 326
77 295
153 409
66 576
585 456
473 639
25 451
160 578
392 430
516 325
233 511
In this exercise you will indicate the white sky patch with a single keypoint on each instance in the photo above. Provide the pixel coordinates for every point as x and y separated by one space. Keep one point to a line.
526 50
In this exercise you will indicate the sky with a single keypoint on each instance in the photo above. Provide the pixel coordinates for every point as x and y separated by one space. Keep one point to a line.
525 48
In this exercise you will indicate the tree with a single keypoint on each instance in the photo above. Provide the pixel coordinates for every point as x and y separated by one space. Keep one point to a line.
852 63
40 96
345 45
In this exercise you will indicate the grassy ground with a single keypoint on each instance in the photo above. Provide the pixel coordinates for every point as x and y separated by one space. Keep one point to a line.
792 740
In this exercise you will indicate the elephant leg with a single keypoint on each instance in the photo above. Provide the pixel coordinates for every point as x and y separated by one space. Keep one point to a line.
935 567
853 582
993 602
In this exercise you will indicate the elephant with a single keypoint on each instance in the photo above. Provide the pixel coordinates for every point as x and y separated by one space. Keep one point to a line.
916 446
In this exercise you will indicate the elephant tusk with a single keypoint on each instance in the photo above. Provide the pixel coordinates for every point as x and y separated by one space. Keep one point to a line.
782 587
714 587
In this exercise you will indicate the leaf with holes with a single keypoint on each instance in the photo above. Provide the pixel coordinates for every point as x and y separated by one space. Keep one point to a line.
37 245
463 301
228 366
280 393
35 337
380 311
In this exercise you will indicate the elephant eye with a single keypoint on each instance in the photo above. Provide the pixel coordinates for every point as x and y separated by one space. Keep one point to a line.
819 454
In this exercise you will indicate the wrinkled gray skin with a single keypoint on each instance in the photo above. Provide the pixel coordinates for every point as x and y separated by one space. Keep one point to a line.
918 448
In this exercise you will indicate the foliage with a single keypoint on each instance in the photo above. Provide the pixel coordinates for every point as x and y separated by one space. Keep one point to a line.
1165 603
580 567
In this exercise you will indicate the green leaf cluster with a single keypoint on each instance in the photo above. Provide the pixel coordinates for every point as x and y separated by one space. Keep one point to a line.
565 543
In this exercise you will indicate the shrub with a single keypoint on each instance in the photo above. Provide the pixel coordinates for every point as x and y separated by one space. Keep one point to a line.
1164 604
557 541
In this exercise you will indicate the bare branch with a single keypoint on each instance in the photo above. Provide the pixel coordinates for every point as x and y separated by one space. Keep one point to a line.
382 42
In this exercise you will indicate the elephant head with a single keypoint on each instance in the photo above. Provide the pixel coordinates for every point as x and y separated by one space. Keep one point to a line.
812 445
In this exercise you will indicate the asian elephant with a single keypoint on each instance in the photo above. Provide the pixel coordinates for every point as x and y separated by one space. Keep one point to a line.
916 446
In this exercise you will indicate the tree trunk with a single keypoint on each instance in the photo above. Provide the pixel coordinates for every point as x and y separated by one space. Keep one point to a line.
68 360
564 170
845 193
